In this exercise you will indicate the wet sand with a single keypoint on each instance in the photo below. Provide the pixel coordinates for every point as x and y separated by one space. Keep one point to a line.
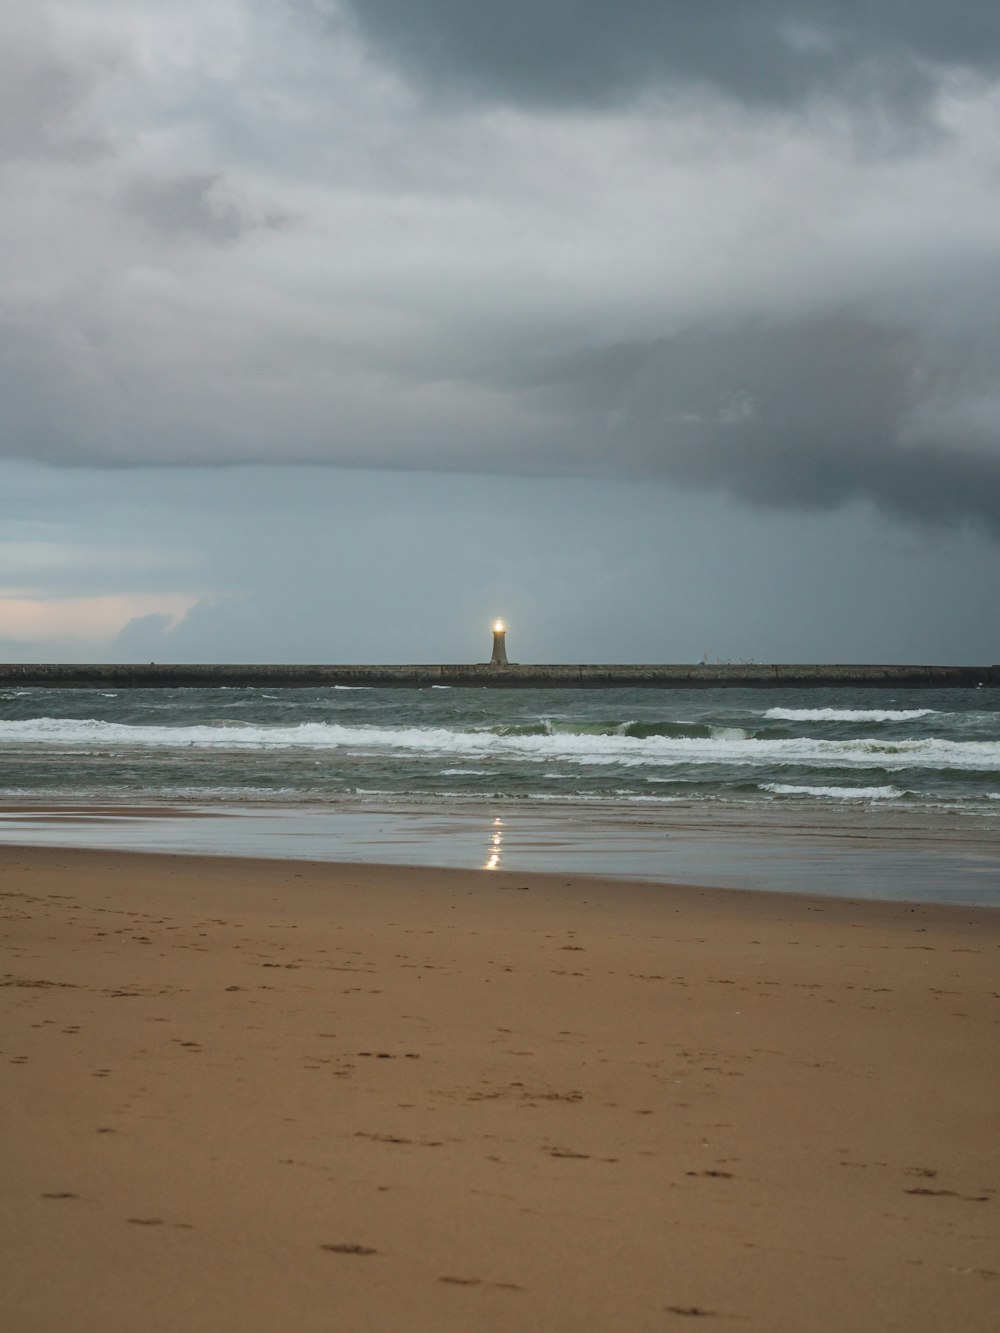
272 1095
862 851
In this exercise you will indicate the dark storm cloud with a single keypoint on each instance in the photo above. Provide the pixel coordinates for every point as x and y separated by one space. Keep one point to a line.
812 414
769 52
285 253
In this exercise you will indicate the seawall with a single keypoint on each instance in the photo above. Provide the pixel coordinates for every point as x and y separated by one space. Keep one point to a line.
155 675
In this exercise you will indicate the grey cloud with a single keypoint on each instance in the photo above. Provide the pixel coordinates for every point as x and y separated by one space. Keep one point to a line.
35 360
44 87
767 52
190 205
808 414
142 636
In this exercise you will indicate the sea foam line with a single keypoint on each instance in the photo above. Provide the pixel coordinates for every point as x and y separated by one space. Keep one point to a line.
841 793
847 714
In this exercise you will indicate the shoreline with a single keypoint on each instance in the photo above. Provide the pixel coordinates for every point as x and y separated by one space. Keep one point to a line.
254 1095
892 855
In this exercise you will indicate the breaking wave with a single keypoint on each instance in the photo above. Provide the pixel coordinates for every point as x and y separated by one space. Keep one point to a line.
724 745
838 793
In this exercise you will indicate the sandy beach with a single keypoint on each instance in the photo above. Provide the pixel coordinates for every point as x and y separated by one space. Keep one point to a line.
263 1095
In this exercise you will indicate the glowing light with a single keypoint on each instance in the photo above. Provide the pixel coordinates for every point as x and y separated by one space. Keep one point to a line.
495 850
498 627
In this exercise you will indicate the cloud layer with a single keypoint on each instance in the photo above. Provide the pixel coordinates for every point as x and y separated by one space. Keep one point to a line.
758 255
765 52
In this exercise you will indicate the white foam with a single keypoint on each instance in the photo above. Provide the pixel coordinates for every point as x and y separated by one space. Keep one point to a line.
839 793
847 714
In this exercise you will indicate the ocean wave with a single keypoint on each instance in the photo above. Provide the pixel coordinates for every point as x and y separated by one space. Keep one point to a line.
847 714
731 746
839 793
637 730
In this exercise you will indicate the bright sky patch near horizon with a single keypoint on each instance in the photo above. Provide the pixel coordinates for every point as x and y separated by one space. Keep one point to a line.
332 329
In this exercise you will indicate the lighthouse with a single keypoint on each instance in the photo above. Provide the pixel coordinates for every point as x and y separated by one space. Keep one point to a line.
499 658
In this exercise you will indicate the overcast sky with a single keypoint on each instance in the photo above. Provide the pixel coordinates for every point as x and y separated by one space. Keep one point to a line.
331 329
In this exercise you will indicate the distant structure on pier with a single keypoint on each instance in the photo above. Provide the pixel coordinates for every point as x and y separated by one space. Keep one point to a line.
499 658
497 674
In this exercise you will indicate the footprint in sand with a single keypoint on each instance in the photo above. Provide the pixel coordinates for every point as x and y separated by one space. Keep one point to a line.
478 1282
696 1312
949 1194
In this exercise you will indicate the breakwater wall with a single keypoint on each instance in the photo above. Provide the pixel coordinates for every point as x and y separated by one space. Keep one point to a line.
155 675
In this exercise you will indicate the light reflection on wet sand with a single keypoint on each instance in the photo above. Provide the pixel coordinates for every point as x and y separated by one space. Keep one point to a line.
861 852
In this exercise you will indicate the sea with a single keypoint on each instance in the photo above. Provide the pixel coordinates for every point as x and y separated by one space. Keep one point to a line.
865 792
